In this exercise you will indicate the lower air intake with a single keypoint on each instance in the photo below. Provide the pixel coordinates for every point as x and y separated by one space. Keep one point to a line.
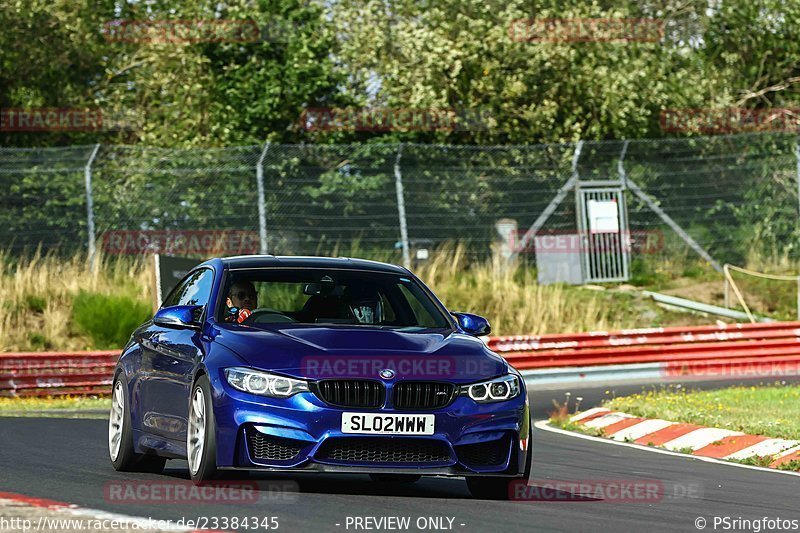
268 448
377 450
491 453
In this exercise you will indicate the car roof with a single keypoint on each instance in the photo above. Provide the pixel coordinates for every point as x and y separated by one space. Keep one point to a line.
290 261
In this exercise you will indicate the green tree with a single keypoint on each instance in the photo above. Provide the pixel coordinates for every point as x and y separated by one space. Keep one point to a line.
449 53
229 92
51 55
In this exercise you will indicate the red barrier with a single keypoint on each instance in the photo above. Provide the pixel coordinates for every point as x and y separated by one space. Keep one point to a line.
703 351
729 349
642 336
56 373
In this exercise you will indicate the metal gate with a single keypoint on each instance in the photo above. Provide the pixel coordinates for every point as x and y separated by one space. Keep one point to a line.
603 229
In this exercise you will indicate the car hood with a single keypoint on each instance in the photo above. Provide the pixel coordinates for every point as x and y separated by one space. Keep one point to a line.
353 352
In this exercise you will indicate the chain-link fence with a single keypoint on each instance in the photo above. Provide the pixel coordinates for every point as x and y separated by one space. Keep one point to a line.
725 196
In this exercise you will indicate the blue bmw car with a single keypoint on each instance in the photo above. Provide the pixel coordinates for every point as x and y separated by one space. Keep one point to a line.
313 364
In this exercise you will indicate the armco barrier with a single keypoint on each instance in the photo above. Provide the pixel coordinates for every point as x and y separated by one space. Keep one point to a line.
56 373
729 350
719 351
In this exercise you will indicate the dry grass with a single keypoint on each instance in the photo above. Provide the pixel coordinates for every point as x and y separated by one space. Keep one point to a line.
96 407
47 403
36 297
511 298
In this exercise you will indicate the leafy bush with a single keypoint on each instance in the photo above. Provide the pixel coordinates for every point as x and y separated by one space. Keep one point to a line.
35 303
645 273
108 320
39 342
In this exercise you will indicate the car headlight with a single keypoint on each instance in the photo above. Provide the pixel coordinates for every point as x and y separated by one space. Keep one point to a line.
495 390
264 383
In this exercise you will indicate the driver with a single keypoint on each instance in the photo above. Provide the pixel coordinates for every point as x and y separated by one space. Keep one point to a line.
364 303
244 298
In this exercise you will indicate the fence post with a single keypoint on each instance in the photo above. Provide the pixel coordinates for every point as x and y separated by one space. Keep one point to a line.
797 162
262 206
401 207
797 159
87 175
623 177
626 241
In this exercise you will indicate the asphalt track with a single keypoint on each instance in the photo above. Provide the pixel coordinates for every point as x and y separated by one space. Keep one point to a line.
66 460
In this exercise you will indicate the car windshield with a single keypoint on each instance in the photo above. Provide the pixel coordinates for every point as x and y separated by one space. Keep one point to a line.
268 297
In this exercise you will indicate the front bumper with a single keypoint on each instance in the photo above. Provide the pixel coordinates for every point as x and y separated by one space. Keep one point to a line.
302 433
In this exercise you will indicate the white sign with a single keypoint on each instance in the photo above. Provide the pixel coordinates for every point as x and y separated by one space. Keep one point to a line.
603 216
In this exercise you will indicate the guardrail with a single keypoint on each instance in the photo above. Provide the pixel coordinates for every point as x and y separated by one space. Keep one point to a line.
727 350
735 350
56 373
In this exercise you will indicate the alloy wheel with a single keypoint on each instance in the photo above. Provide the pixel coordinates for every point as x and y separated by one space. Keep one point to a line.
197 430
115 420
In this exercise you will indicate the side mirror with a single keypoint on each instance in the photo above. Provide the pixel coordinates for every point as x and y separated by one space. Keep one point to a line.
179 316
474 325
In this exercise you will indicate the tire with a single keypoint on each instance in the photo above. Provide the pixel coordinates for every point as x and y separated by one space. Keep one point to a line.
201 434
529 457
395 478
120 435
496 488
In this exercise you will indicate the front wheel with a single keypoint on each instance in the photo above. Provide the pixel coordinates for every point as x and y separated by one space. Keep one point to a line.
120 435
201 436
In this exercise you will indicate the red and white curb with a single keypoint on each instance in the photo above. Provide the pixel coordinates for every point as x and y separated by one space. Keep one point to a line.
697 440
60 512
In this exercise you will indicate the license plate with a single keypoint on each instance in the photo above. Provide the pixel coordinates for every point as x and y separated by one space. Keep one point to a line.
385 424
